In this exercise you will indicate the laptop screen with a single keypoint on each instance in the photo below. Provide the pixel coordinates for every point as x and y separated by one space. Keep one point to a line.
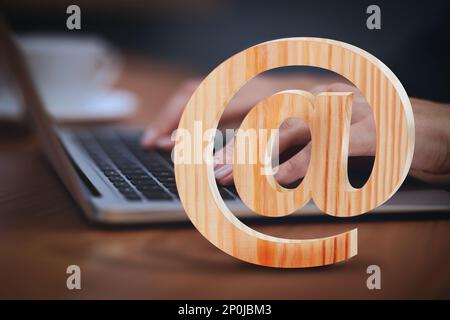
12 62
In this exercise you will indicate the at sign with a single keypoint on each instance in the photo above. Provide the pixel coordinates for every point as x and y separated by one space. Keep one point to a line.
326 181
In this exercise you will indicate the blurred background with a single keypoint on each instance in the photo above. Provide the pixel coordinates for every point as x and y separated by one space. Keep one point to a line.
199 34
130 56
124 64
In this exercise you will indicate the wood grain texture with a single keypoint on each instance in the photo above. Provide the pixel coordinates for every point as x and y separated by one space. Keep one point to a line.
42 232
328 117
333 194
254 182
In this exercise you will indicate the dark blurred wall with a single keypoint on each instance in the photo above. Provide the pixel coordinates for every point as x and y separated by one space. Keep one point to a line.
413 41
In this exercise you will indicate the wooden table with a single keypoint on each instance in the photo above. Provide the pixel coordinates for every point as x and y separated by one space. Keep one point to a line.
42 231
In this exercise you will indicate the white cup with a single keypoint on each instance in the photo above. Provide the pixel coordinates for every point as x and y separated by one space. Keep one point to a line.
68 71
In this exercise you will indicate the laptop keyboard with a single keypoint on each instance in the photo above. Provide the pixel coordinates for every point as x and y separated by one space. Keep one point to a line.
136 173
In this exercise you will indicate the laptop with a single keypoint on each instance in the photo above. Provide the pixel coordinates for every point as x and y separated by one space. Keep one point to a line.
115 181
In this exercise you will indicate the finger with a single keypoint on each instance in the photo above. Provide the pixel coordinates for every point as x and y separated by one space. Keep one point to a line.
223 159
168 120
224 156
163 126
360 106
224 172
362 141
294 168
293 131
226 180
165 142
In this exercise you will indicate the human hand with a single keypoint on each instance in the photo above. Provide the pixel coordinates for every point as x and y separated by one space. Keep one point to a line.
294 132
431 161
158 134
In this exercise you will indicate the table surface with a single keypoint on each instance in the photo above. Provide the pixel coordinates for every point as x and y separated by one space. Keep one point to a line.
42 232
